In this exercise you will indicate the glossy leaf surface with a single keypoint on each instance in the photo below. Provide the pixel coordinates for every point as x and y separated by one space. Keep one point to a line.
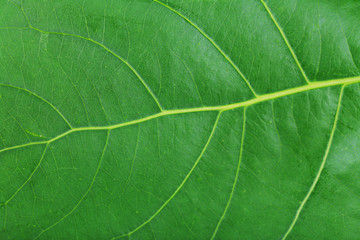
139 119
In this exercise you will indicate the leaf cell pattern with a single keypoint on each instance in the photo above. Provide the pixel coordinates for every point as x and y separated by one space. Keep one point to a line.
155 119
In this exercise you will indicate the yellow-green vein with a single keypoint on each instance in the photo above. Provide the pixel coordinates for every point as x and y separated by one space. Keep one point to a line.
28 179
87 191
286 41
41 98
181 184
212 42
320 169
236 177
262 98
112 53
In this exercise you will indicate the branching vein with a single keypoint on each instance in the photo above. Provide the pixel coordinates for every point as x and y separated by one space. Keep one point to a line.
262 98
28 179
220 109
42 99
86 193
179 187
286 41
320 169
236 177
112 53
212 42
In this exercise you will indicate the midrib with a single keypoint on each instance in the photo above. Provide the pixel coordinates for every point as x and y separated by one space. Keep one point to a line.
261 98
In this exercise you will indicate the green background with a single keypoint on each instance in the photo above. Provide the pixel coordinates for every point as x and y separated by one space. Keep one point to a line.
179 119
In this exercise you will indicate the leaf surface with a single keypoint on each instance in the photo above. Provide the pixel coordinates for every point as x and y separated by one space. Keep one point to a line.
179 120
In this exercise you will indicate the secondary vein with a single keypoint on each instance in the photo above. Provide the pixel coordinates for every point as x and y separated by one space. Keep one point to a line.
112 53
212 42
286 41
85 194
28 179
236 177
181 184
320 169
41 98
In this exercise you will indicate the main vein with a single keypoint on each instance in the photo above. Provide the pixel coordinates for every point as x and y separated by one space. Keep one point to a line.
320 169
262 98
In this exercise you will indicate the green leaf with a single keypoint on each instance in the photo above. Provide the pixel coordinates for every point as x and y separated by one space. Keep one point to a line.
179 119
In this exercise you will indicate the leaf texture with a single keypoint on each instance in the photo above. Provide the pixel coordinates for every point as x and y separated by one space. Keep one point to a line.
155 119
